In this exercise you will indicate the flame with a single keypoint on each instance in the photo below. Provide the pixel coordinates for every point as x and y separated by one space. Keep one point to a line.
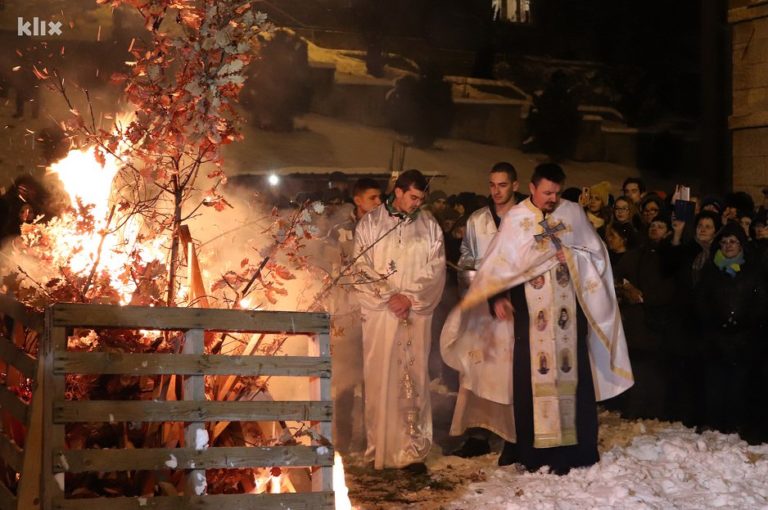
85 179
274 484
339 484
91 183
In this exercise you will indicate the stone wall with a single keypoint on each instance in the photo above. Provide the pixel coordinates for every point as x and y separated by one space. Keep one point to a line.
497 121
749 118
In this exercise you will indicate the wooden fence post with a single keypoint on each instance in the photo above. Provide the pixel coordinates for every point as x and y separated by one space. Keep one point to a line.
52 479
320 389
195 434
30 483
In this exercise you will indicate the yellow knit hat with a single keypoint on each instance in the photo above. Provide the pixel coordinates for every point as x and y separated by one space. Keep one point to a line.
601 189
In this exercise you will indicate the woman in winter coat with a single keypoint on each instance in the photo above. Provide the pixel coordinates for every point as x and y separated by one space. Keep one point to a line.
645 289
685 351
731 305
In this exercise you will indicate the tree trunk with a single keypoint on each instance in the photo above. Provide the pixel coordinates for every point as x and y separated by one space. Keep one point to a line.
176 232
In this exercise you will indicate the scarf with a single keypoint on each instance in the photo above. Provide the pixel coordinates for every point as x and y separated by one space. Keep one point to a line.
730 266
399 214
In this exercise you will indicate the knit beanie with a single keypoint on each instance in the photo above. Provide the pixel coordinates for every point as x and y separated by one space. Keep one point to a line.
436 195
601 189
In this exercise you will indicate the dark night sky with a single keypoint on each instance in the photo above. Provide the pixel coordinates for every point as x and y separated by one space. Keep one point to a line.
667 59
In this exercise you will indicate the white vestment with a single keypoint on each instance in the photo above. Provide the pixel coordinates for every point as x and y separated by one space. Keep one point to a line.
478 235
405 257
343 304
346 341
482 352
471 410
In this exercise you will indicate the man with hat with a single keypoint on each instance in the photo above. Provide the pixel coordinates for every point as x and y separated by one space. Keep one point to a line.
437 204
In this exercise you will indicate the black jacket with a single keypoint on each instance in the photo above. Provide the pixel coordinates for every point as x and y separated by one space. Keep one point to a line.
731 310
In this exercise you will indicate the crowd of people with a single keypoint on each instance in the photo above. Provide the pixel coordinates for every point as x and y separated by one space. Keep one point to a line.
530 254
687 284
685 301
692 294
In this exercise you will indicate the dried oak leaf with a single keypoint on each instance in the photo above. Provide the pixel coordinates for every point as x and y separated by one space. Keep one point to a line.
284 273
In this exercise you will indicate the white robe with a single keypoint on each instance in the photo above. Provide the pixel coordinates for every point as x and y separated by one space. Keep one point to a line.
346 342
513 258
399 431
344 306
471 410
480 231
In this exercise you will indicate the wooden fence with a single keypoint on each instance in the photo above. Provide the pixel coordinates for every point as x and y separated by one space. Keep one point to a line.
20 433
192 365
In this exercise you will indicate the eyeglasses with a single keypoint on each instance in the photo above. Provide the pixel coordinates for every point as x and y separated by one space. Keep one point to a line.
729 242
650 210
621 208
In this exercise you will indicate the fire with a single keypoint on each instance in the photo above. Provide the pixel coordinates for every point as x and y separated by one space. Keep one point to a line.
274 481
85 179
339 484
90 183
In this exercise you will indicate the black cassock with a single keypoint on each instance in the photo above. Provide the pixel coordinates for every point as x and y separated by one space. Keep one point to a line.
561 458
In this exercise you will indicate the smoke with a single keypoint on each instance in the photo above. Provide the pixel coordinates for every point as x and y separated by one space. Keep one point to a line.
249 231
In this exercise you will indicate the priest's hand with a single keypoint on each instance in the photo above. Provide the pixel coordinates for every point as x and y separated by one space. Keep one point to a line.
560 254
400 305
503 309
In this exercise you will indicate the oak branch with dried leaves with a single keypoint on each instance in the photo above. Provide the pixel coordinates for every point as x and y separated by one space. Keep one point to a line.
133 186
123 238
182 86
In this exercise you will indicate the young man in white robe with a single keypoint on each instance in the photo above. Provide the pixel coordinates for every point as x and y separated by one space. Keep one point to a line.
557 345
482 226
346 329
401 274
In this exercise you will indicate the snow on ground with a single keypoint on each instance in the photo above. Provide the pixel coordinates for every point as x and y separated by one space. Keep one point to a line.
644 465
658 466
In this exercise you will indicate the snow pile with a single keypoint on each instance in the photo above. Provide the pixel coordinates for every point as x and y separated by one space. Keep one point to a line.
643 465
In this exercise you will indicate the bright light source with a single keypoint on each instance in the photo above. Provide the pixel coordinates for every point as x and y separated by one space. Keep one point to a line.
273 180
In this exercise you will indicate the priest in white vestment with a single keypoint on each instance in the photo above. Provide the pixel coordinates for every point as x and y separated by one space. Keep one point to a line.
557 346
401 274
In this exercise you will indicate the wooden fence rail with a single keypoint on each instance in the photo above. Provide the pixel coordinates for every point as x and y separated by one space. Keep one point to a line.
197 413
20 423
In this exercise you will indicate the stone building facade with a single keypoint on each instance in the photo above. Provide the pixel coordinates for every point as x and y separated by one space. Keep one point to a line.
748 122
